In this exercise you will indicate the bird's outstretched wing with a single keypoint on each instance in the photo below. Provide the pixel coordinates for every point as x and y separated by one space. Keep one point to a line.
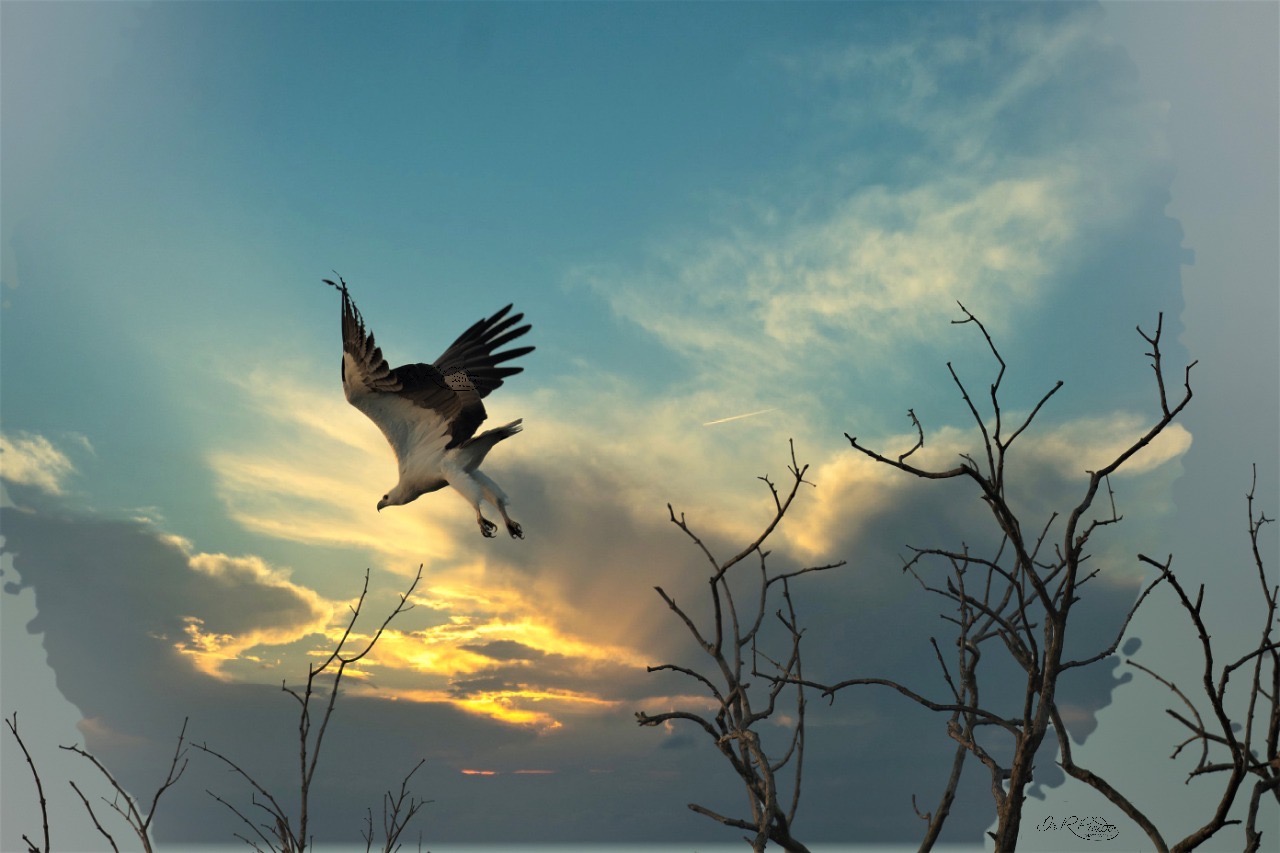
416 401
474 352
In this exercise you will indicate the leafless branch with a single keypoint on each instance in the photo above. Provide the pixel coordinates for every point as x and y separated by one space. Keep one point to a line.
93 817
12 724
140 824
280 834
396 814
1103 787
1025 596
1219 730
738 708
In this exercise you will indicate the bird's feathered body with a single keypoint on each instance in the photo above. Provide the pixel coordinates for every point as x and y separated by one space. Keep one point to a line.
429 413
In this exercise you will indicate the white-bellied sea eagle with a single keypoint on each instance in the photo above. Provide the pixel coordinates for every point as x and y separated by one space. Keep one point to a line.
430 412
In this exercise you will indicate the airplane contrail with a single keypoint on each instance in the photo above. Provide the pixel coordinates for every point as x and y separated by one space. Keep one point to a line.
739 417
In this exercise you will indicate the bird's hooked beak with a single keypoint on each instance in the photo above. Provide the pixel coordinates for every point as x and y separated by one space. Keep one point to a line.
381 504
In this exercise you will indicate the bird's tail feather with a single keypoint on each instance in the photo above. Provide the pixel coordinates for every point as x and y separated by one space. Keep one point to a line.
508 430
475 449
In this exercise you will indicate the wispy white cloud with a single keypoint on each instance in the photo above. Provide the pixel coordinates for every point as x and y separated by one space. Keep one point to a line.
757 312
1087 444
32 460
313 471
856 268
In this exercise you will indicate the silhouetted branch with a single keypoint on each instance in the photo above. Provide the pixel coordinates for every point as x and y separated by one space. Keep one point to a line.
12 723
1025 596
93 817
280 834
140 824
1103 787
736 712
1262 714
394 822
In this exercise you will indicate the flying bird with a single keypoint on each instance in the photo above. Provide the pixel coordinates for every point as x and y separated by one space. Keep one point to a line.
430 412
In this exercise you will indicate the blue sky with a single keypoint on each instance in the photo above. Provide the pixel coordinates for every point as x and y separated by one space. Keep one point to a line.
705 210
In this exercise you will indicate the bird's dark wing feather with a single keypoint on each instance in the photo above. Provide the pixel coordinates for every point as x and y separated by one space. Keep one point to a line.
365 372
475 352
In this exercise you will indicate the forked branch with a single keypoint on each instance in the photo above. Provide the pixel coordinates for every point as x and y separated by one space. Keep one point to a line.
1251 745
281 834
1023 597
137 821
396 814
732 644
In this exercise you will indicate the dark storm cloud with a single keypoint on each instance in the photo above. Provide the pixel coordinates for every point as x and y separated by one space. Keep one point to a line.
506 650
599 557
115 598
864 619
108 593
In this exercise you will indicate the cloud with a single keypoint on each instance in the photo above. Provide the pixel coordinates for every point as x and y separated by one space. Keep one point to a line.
213 640
209 609
885 266
272 484
1050 461
967 166
537 632
755 313
1087 444
136 678
589 491
32 460
955 174
513 686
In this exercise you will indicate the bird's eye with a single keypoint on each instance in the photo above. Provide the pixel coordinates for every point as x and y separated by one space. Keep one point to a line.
384 497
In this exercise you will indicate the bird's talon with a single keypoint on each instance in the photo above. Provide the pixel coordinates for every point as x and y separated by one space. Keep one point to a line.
488 528
516 531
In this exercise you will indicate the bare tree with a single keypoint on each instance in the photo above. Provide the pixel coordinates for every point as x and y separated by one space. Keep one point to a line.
122 803
731 644
1020 597
1241 741
280 832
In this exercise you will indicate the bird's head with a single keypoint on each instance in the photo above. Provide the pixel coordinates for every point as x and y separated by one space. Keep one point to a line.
397 497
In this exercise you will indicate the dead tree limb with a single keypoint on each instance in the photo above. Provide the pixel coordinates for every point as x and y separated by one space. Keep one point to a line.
12 723
396 815
133 816
731 644
1020 597
280 832
1251 745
